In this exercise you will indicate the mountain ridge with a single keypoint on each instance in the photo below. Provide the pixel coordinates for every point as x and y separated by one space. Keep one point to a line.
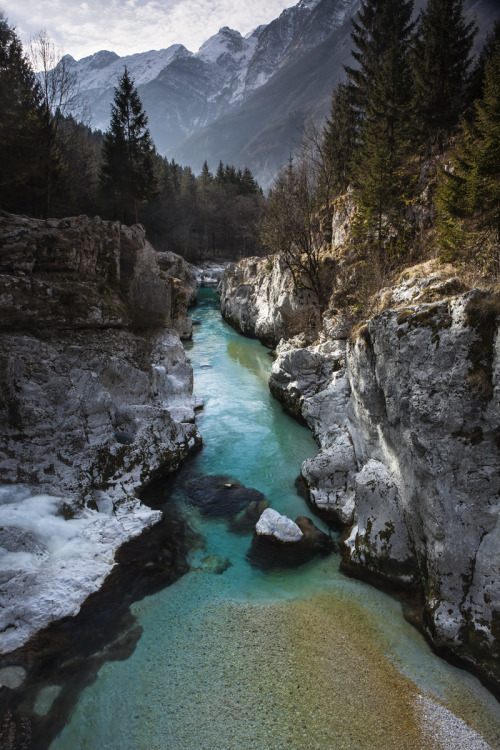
241 99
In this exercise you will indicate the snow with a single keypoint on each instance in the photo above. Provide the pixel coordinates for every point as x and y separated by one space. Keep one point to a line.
143 67
50 564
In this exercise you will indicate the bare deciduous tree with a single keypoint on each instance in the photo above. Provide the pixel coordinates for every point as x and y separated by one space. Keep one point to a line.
61 99
292 227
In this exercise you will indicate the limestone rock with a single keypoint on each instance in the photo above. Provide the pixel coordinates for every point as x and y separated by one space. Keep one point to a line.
381 540
96 400
283 529
279 542
246 519
408 429
258 299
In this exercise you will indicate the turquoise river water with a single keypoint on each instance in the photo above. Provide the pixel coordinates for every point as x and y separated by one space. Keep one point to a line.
303 658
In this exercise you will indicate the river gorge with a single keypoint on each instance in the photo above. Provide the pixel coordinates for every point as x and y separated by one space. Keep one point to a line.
231 656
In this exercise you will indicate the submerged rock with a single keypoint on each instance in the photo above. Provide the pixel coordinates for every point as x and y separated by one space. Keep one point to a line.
215 564
220 496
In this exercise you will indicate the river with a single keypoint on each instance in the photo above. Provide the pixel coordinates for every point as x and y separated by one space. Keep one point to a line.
300 658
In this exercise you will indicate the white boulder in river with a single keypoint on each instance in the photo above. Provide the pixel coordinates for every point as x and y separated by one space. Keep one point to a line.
271 523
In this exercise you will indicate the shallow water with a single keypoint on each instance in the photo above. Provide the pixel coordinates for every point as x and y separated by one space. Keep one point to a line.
302 658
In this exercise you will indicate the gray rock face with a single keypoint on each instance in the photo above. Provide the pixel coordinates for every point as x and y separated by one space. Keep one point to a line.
258 299
96 400
406 415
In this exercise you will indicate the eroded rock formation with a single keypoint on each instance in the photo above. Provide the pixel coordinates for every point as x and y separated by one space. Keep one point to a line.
406 411
96 400
258 299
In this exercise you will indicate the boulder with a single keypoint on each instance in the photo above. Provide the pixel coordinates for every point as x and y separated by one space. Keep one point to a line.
279 542
244 522
280 528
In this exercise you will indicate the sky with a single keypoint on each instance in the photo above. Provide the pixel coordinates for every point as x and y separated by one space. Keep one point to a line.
80 28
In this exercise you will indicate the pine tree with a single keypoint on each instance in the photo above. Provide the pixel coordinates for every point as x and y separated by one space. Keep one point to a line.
220 175
475 89
380 24
128 169
339 138
381 91
440 63
469 193
21 123
248 184
206 177
188 186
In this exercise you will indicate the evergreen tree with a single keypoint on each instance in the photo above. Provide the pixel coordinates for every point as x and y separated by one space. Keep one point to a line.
21 168
339 139
188 185
469 193
206 177
128 168
381 90
380 24
248 184
440 63
476 80
230 176
175 176
220 175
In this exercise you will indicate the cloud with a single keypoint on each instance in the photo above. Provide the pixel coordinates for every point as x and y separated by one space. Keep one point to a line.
128 26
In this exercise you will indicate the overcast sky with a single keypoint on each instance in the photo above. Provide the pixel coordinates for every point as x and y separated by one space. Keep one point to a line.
128 26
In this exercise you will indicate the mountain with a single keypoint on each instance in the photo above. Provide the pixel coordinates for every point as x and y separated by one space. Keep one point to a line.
241 99
182 91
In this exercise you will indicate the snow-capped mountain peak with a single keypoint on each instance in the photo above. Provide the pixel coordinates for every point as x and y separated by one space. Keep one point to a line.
183 92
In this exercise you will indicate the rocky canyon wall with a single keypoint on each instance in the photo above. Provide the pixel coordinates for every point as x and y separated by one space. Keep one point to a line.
96 400
406 408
